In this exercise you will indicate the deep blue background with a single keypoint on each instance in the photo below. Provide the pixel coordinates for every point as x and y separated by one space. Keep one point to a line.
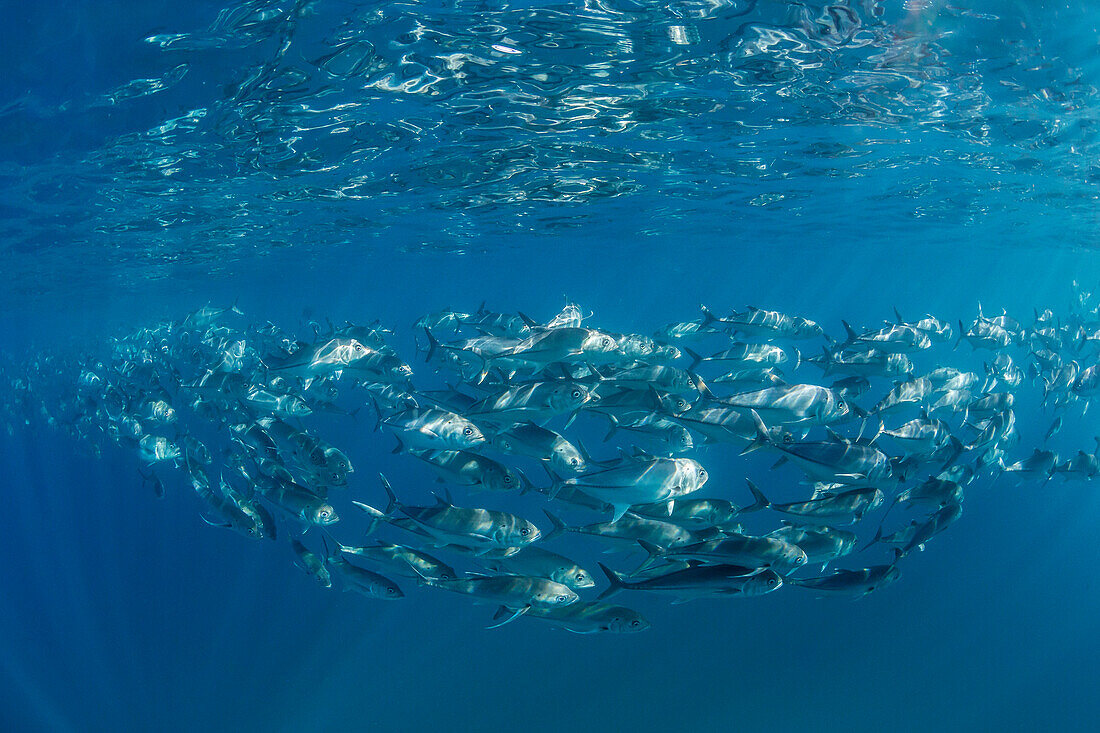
122 612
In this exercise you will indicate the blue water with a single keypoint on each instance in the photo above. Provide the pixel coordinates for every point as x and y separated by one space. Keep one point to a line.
386 160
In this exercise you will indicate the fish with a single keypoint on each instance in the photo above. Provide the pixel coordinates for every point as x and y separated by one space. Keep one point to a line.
698 581
633 528
321 358
432 429
895 338
465 468
698 513
1083 466
407 561
364 582
745 355
537 403
586 617
791 404
933 493
564 344
535 441
940 520
921 436
515 592
862 361
822 544
642 481
843 507
836 460
672 435
312 564
1039 465
936 330
732 549
756 322
911 392
851 583
536 562
479 529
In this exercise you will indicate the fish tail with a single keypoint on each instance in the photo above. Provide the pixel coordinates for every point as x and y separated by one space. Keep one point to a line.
433 345
559 526
761 500
654 553
512 615
616 583
762 437
392 503
613 427
849 331
375 515
695 358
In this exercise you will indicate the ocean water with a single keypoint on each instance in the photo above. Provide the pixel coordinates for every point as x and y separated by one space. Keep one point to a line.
356 161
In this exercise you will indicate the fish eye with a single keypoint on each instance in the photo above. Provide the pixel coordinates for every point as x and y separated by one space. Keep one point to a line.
507 479
788 438
771 581
635 622
840 405
607 342
468 431
573 461
561 599
524 531
576 394
391 591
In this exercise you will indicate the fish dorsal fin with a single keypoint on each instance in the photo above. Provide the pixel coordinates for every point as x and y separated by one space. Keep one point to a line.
836 436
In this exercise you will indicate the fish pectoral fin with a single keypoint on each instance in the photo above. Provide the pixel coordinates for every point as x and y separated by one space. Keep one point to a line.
620 510
516 614
215 524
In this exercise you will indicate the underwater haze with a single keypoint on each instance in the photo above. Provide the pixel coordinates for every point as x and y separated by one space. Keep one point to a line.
294 223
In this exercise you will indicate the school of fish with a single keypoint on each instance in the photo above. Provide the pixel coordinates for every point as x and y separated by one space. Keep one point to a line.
883 438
